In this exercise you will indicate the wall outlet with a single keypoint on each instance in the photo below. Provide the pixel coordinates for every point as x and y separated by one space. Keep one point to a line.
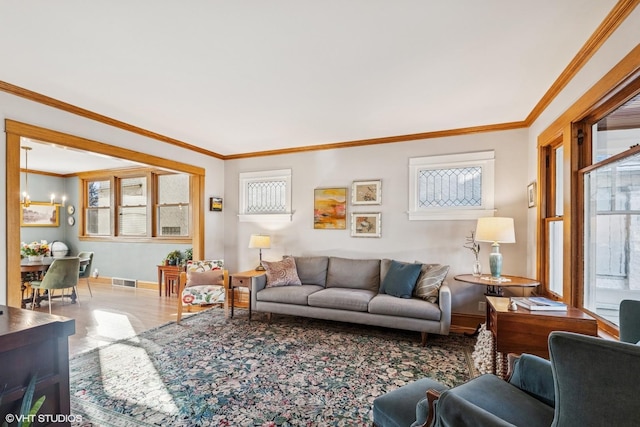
482 306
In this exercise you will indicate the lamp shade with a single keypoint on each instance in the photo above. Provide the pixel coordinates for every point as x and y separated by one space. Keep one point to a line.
260 241
495 229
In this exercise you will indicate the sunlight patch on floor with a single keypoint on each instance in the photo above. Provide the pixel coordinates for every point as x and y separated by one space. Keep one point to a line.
143 386
112 325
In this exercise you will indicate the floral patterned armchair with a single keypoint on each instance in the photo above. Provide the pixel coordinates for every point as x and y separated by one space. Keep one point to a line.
204 283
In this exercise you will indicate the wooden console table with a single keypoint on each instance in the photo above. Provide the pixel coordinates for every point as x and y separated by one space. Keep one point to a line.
30 343
524 331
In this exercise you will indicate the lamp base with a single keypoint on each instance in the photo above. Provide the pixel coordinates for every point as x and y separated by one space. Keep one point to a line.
495 261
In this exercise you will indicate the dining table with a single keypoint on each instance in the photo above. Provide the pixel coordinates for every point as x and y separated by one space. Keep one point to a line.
35 270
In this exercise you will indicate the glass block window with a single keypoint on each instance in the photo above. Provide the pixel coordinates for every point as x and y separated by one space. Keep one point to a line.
450 187
455 186
265 195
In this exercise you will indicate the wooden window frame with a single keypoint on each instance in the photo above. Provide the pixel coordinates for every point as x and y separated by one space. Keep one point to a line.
617 86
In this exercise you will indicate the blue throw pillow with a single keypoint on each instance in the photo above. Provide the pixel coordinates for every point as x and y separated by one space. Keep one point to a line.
400 279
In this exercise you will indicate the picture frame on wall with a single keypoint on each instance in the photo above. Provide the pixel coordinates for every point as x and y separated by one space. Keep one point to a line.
215 204
366 192
531 194
366 224
330 208
39 214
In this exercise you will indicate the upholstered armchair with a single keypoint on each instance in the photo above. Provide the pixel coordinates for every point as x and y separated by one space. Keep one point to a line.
588 382
204 283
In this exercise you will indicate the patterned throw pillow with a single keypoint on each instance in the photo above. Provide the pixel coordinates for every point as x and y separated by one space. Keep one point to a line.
209 277
281 273
430 280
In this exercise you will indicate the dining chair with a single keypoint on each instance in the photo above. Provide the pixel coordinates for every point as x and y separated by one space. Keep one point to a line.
85 270
63 273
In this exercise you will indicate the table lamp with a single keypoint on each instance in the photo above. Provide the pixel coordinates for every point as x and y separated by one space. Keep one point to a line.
496 230
260 241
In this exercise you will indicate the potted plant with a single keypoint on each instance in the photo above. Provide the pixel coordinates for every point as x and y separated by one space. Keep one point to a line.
173 257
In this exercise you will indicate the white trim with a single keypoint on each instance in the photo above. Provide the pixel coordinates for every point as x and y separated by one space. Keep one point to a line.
482 159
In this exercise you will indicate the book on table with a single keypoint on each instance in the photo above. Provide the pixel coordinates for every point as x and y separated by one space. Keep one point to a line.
540 304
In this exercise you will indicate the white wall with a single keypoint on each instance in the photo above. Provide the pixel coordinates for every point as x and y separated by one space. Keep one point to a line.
15 108
428 241
612 51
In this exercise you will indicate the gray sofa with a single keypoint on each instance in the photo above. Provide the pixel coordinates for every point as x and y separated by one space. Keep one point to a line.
348 290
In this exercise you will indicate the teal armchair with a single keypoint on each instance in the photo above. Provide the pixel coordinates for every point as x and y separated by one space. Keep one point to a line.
630 321
588 382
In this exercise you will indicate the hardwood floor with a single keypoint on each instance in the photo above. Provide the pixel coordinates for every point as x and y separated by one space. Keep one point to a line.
112 314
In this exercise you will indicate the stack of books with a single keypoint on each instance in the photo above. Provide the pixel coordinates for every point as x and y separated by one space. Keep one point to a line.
540 304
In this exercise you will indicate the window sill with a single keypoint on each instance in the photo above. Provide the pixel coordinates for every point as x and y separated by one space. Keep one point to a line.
449 214
288 217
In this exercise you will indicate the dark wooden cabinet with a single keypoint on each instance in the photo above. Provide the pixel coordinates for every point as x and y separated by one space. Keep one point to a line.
33 343
524 331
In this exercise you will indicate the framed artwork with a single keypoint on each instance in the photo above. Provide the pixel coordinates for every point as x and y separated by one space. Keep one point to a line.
531 194
40 214
365 224
215 204
330 208
366 193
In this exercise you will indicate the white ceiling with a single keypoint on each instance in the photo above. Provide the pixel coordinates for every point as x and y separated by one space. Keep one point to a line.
252 75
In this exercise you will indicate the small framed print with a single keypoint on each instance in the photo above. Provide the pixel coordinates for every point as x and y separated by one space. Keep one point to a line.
531 194
365 224
215 204
366 192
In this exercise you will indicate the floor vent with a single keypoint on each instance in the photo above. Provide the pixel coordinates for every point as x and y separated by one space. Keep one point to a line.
126 283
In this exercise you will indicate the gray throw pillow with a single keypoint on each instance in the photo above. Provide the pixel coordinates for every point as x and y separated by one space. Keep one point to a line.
430 280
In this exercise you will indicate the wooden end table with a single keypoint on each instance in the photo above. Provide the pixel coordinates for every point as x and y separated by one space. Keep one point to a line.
242 280
495 287
524 331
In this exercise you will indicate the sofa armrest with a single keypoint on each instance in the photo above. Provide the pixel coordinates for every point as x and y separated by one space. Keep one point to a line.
533 375
444 302
258 283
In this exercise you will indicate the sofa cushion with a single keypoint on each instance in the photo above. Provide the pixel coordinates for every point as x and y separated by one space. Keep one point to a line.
430 280
400 279
402 307
288 294
281 273
342 299
353 273
312 270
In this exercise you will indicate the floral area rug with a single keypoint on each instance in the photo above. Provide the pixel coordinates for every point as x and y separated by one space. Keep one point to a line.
213 371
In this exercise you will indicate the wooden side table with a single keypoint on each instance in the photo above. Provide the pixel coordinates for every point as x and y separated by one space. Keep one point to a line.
524 331
242 280
494 287
168 276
